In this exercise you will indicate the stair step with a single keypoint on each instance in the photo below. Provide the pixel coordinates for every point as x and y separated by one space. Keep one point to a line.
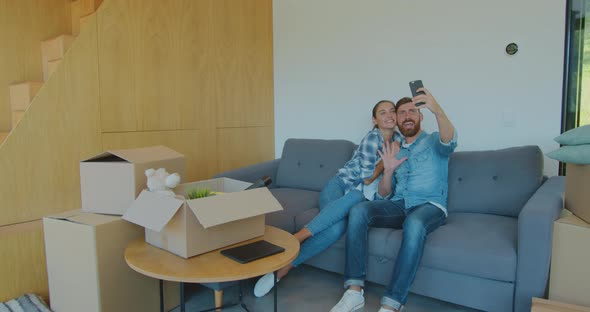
16 117
3 136
54 49
21 94
51 67
81 8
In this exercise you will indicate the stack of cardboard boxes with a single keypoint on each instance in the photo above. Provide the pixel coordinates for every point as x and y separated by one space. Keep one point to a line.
570 262
85 248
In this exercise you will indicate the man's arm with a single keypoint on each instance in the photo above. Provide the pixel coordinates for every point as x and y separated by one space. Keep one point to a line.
445 127
390 163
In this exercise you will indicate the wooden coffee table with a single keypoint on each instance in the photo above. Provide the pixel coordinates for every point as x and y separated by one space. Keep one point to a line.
210 267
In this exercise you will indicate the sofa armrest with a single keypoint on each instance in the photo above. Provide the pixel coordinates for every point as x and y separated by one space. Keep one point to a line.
535 234
254 172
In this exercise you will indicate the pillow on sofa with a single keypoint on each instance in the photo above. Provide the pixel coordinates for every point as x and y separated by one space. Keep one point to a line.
576 136
309 163
576 154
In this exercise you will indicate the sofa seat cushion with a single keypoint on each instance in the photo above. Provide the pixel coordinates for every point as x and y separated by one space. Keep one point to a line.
293 201
474 244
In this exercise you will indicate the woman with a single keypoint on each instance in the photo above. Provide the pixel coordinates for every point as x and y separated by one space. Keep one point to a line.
355 182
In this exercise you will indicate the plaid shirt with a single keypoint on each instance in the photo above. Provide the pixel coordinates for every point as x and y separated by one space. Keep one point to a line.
362 164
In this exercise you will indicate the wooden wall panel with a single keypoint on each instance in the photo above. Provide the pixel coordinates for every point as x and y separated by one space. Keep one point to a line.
198 146
23 25
239 147
40 160
23 268
155 69
244 62
185 64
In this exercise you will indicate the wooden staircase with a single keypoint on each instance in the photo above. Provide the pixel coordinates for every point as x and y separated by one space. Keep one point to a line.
52 53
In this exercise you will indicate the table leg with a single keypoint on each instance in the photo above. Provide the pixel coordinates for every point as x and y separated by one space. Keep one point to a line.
161 296
182 307
276 287
242 304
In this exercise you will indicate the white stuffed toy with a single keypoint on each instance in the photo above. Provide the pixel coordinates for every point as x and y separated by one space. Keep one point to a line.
161 182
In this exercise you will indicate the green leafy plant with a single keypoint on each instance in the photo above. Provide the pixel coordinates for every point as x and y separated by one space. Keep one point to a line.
199 193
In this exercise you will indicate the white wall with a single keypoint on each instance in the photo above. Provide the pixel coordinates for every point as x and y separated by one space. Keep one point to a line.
334 59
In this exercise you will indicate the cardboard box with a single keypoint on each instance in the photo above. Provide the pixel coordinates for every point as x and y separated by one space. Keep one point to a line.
86 268
570 262
111 181
542 305
191 227
577 197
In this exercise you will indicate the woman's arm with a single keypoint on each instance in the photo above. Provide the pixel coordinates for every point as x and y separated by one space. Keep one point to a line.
367 153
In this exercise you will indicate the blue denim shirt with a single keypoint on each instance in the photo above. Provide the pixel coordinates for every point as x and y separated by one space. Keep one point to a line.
423 177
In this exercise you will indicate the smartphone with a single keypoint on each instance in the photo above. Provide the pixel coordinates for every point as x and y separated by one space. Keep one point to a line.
414 86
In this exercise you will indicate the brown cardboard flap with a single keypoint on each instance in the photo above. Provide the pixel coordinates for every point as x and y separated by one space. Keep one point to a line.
137 155
574 220
147 154
81 217
224 208
152 211
105 157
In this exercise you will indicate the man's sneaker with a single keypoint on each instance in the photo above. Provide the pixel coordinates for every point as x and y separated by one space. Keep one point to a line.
264 285
352 300
387 310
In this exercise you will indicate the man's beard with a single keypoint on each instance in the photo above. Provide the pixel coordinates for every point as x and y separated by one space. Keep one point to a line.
409 132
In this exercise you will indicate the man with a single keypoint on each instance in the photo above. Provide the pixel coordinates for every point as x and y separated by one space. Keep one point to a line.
418 205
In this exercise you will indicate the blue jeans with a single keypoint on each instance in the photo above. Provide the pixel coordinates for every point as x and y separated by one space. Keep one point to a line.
330 223
417 222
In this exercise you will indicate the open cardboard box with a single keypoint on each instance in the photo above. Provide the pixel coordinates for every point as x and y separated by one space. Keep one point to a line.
110 182
191 227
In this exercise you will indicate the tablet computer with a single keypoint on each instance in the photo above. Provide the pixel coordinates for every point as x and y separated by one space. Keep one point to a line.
253 251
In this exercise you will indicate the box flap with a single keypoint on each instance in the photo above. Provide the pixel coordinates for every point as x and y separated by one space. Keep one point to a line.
152 211
147 154
573 220
81 217
137 155
104 157
228 207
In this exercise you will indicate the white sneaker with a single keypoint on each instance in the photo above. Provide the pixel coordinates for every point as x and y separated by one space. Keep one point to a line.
352 300
264 285
387 310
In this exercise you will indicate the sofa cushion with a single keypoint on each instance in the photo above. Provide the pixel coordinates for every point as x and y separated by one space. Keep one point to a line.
469 243
303 218
474 244
293 201
495 182
309 163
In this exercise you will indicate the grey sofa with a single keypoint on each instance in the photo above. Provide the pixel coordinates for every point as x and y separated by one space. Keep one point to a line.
492 254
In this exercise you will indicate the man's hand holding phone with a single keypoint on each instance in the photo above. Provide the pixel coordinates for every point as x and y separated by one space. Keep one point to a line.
423 98
417 87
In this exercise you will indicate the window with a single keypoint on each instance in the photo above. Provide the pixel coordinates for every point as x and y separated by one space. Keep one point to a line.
576 84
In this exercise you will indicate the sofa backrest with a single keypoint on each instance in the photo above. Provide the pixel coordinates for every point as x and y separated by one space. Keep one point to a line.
310 163
494 182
